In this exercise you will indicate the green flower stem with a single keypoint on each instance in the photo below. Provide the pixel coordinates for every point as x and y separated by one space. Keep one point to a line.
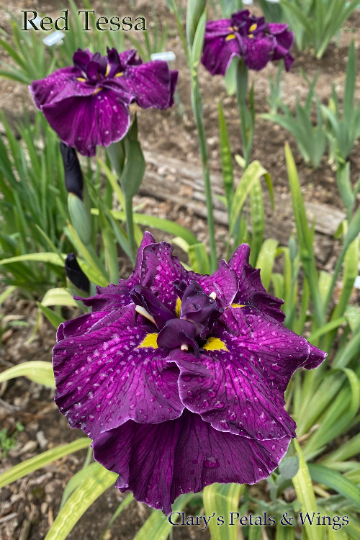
197 109
130 227
246 120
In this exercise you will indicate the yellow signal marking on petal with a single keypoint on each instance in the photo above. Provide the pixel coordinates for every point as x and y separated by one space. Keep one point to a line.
96 91
237 305
250 35
149 341
107 70
81 79
178 307
252 28
229 37
215 344
119 74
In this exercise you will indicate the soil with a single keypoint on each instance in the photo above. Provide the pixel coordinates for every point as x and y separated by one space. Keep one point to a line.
29 506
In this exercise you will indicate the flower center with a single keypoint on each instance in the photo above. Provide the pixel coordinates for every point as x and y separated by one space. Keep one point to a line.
195 315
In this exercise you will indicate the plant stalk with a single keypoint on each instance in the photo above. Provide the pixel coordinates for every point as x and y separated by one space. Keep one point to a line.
130 227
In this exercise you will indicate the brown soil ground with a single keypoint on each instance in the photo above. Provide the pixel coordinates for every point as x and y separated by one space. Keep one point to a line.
29 506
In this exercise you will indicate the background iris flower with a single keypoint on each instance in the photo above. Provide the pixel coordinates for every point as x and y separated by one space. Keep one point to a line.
248 37
179 378
87 104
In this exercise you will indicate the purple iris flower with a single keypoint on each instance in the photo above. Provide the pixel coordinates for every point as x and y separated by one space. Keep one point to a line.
179 378
247 37
88 104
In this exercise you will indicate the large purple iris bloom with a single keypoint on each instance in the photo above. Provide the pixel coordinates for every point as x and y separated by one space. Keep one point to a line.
88 104
248 37
179 378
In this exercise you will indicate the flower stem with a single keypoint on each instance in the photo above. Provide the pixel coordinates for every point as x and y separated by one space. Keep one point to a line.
246 116
197 109
130 227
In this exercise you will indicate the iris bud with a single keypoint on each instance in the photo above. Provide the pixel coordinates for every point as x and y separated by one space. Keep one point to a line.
75 274
79 214
73 176
195 8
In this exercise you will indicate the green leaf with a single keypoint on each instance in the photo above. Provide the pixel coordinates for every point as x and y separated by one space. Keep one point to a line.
284 532
305 494
195 9
77 504
289 467
158 223
51 316
251 175
305 237
89 256
37 371
41 460
222 500
226 158
157 526
6 293
265 260
199 259
134 168
58 297
76 480
326 328
336 481
52 258
113 182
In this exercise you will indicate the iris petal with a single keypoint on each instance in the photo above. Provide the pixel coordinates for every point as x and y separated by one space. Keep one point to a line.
104 378
160 462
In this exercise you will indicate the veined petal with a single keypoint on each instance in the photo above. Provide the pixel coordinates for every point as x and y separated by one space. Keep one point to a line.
217 28
116 296
223 282
277 351
218 53
112 374
258 52
150 84
130 58
87 122
251 290
60 85
160 462
228 389
159 270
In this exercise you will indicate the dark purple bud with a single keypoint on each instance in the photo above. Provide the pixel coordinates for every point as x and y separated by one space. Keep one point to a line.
178 333
141 296
73 176
75 274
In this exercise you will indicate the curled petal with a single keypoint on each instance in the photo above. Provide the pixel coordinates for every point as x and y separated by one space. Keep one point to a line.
149 84
160 462
278 351
60 85
223 282
81 59
316 358
251 290
117 296
129 58
113 373
176 333
229 391
159 270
